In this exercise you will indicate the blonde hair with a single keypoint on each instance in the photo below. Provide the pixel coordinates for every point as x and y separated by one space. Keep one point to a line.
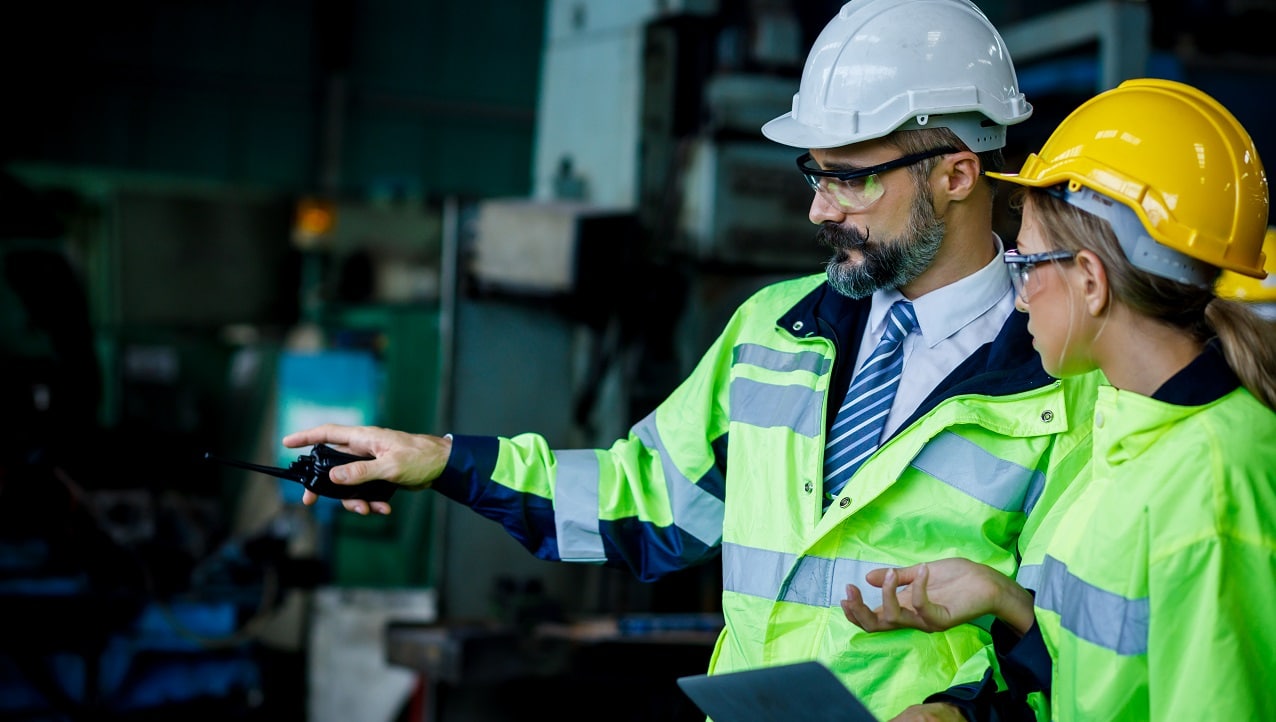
1248 340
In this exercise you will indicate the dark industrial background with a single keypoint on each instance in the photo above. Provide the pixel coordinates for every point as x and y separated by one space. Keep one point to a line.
221 220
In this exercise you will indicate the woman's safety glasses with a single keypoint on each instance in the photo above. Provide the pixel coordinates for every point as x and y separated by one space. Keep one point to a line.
1020 268
852 191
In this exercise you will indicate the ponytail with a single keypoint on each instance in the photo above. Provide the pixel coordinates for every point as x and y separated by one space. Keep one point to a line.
1249 345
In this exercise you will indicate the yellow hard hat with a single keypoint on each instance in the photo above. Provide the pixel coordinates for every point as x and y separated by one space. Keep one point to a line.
1174 155
1240 287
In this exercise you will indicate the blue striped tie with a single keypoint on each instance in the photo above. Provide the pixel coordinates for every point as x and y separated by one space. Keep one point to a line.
857 430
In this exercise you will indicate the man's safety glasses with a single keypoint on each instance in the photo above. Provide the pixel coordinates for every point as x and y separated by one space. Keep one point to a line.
855 190
1020 268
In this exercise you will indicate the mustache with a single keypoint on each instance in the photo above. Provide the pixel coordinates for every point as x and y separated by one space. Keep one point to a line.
837 238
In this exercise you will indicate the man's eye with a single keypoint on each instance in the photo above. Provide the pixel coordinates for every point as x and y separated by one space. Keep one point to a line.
855 184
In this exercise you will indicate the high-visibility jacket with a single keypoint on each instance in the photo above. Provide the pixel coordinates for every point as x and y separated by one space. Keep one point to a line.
1156 589
731 463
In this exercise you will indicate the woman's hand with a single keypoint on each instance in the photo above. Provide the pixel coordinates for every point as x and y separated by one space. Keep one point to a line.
939 595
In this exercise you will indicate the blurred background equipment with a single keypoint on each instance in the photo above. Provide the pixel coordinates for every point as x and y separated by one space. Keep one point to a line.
1260 292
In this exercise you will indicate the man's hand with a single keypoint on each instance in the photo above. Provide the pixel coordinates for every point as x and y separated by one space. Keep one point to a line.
411 460
932 712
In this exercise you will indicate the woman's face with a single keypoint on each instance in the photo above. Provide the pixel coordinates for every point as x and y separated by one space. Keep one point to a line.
1057 317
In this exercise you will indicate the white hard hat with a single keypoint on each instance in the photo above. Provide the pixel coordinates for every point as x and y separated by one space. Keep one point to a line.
885 65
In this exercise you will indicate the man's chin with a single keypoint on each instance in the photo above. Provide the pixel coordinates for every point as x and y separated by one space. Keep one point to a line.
848 286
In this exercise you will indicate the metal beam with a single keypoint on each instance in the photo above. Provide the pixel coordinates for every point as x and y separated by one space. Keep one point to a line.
1121 27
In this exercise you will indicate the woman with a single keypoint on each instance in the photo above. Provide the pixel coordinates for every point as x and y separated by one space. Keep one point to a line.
1157 578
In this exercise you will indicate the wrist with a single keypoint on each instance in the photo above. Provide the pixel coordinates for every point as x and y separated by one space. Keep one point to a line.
1016 608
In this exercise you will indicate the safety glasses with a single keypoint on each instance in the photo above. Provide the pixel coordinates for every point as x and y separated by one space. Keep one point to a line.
855 190
1020 268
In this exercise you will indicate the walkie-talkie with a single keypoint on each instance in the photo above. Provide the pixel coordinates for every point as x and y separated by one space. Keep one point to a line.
311 471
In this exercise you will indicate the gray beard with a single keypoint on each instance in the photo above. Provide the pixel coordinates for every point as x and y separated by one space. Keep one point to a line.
890 264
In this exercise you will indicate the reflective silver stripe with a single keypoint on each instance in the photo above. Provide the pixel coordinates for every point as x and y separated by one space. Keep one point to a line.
576 506
814 581
768 405
1093 614
822 582
768 358
695 511
753 571
966 466
1029 576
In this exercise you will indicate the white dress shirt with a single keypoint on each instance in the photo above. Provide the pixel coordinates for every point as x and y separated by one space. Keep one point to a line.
953 321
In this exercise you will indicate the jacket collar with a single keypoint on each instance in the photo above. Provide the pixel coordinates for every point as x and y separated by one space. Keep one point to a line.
1008 365
1206 379
823 312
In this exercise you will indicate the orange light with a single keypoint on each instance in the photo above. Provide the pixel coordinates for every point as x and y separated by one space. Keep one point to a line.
313 223
315 217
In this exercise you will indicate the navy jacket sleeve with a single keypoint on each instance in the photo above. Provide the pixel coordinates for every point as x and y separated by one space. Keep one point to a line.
1025 666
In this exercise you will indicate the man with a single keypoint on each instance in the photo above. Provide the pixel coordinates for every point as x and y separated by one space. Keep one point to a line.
901 106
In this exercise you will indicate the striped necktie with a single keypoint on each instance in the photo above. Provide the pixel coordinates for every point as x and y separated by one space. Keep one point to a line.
857 429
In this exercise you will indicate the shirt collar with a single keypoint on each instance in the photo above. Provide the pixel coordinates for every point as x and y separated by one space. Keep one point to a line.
947 310
1205 380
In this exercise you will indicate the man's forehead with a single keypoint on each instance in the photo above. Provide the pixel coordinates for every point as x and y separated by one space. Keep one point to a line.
864 153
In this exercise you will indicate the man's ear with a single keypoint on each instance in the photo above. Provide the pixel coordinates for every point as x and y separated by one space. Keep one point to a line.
1092 280
960 174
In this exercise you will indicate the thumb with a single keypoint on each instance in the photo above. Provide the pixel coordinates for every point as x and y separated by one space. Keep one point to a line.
349 473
